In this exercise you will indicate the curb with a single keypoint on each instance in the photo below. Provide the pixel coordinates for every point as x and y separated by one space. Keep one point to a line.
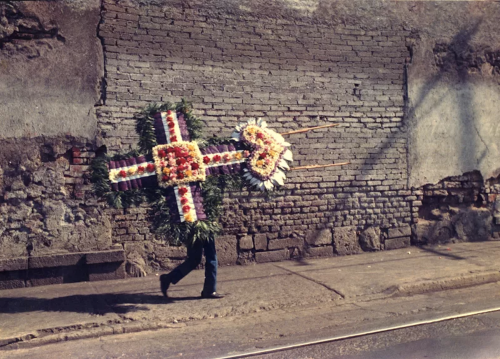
458 282
31 340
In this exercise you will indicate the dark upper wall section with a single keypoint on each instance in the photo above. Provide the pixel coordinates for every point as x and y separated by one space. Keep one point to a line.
50 68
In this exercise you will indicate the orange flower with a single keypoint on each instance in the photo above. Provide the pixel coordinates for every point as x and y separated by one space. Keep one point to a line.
166 171
238 155
188 173
188 217
132 171
251 130
259 163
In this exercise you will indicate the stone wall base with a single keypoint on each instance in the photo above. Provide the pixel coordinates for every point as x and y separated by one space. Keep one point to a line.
61 268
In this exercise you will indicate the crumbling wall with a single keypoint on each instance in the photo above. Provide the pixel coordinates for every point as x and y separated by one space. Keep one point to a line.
43 207
51 76
51 69
458 208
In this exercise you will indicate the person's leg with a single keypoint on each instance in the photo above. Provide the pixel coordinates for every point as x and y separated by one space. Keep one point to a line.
194 254
210 285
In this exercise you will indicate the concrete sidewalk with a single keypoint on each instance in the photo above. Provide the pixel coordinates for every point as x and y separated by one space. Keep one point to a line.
41 315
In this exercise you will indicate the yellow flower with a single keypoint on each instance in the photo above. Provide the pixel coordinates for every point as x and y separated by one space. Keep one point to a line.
188 173
132 171
166 171
113 174
191 147
238 155
259 163
251 130
188 217
192 154
273 153
260 142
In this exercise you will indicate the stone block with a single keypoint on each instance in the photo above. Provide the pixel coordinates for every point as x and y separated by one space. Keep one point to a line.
369 239
323 251
433 232
260 242
13 264
473 224
117 255
320 237
273 256
56 260
345 241
57 275
246 243
106 271
285 243
399 232
227 251
13 279
396 243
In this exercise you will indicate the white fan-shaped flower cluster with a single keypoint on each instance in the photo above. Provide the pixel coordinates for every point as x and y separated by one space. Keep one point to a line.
278 176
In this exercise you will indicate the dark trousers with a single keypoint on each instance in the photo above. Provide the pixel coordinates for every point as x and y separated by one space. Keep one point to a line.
193 260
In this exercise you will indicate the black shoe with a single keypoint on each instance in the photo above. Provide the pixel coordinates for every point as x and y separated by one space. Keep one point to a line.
213 295
164 284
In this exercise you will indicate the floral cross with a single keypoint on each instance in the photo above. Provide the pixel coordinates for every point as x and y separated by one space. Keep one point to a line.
178 165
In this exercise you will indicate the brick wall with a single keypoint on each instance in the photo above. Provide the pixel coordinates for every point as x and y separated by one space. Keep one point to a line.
292 73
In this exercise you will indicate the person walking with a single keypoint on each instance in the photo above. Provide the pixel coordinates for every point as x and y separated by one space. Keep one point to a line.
194 254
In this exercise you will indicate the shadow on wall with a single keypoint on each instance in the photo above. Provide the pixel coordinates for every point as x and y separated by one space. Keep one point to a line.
450 115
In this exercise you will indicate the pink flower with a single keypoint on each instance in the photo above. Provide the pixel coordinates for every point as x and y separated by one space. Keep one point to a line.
173 169
195 172
173 176
172 162
170 155
268 161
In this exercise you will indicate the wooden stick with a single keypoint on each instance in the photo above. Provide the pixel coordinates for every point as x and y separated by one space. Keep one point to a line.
318 166
309 129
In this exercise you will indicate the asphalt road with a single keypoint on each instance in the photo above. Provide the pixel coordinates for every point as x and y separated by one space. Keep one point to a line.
471 337
476 337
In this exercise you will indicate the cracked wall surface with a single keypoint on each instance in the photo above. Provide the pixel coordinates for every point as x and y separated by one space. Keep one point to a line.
454 101
50 66
51 69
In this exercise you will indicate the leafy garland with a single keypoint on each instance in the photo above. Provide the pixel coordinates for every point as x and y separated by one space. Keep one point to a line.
213 188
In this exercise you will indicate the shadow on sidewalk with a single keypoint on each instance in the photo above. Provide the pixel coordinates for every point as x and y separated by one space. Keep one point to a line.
98 304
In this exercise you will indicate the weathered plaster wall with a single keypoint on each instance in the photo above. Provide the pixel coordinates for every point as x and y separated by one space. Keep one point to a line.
50 68
454 106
